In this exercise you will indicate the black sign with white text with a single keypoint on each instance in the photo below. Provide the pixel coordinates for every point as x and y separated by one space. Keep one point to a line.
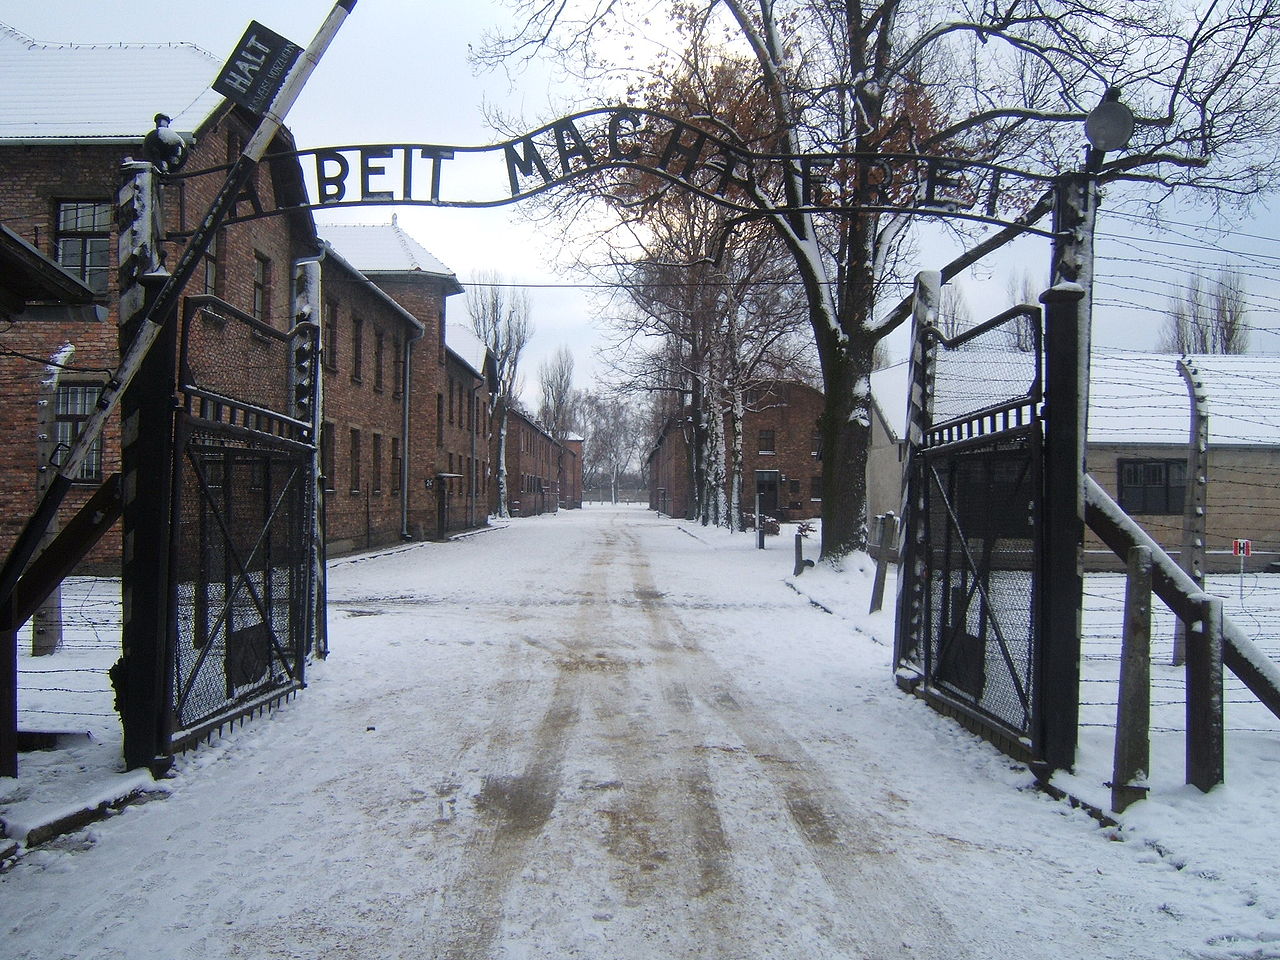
254 73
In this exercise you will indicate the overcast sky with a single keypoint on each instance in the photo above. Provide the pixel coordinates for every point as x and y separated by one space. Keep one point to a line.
398 72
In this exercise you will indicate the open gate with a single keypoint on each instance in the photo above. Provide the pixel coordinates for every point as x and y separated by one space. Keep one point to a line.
969 633
242 562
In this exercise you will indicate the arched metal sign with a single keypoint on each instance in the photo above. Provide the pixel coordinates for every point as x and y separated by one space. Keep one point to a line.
667 148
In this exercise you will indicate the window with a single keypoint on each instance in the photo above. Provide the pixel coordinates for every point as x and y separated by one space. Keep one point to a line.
331 334
815 489
261 309
451 393
766 441
83 241
396 465
379 349
397 366
439 419
211 273
815 446
355 461
326 455
74 404
357 349
1152 486
377 463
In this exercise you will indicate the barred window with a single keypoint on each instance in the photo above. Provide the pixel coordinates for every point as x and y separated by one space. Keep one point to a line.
83 241
75 403
261 308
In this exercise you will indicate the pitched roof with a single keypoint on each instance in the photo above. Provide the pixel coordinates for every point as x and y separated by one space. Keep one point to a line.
386 248
72 91
466 346
1134 398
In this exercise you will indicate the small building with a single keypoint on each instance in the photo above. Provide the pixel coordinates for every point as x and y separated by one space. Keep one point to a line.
1138 436
781 455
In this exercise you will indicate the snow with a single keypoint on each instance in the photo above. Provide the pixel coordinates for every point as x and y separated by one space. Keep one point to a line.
83 91
602 733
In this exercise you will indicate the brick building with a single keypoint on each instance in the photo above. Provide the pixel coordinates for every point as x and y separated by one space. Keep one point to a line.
60 170
385 360
432 389
543 474
780 455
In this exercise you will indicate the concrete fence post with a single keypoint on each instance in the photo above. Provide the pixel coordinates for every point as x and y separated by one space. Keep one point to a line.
1132 759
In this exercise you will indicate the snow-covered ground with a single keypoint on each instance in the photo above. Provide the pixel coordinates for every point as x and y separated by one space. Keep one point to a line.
605 734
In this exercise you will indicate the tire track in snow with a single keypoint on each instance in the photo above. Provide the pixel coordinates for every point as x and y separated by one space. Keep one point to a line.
885 912
513 808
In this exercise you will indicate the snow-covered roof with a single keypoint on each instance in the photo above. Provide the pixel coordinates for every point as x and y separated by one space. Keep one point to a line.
385 248
73 91
1134 398
466 346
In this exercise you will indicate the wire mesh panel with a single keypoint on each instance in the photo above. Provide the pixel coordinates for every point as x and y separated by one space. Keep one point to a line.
242 564
982 534
968 619
242 572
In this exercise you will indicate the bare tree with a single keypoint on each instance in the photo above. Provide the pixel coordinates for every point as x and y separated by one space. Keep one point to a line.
611 440
500 318
1209 317
954 315
1003 83
1021 334
556 410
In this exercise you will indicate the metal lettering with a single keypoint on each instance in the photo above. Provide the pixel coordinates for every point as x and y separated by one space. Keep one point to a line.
939 176
616 152
727 162
570 144
525 163
333 187
368 171
814 181
675 148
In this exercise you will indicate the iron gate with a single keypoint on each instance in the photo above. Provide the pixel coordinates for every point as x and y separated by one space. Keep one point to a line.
969 634
243 558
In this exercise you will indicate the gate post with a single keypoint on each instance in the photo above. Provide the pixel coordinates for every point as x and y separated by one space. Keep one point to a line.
1062 564
141 677
911 603
1067 335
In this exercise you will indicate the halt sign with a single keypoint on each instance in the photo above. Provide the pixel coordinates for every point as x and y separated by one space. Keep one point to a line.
254 73
1242 548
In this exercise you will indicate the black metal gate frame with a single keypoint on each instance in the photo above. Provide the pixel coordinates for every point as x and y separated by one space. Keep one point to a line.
979 570
1013 424
212 421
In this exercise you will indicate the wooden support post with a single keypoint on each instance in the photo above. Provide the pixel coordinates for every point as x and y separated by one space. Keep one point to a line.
46 622
886 553
1205 743
1132 759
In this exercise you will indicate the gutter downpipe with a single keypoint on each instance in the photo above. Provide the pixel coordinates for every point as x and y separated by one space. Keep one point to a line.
416 334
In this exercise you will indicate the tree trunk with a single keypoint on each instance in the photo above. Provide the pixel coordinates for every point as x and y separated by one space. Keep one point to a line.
735 463
500 411
846 436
